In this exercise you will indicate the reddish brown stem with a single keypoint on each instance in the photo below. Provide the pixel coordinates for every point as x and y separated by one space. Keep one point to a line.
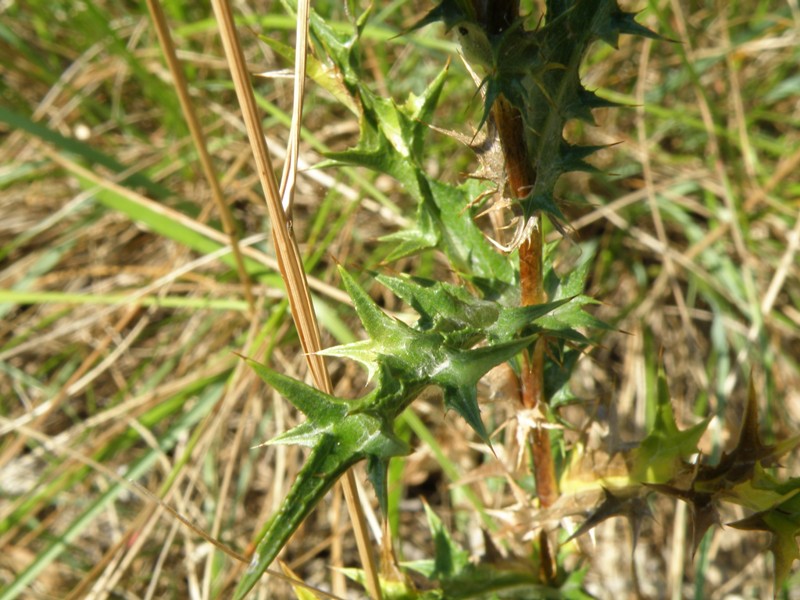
521 177
544 470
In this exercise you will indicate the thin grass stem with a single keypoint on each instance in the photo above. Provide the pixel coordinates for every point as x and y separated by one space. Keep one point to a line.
290 263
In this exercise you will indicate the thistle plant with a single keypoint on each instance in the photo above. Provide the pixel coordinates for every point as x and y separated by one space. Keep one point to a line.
121 402
508 307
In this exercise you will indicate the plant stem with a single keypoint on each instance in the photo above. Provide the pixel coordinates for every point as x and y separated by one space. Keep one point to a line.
521 177
290 262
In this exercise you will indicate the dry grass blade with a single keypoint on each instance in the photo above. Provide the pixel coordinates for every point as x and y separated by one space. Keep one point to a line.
287 189
52 445
179 80
147 515
193 224
289 176
13 449
289 261
670 271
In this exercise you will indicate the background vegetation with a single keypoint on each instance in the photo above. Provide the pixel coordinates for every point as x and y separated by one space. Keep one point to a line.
121 309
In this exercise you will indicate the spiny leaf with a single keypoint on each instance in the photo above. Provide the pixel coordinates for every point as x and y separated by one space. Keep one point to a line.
316 477
392 142
761 492
567 317
341 48
571 157
492 577
704 512
377 472
538 72
450 12
391 589
438 351
449 557
323 75
783 522
542 200
516 320
314 404
590 469
661 455
425 357
442 306
463 242
589 100
738 477
459 373
737 465
376 323
420 110
627 503
392 134
448 308
414 240
620 22
340 434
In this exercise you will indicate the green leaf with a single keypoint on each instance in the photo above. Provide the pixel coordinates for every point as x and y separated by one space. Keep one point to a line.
408 242
783 522
424 358
341 48
738 477
328 78
491 577
452 310
619 22
538 72
92 156
662 454
340 434
762 491
391 589
420 111
459 372
462 241
449 557
318 474
450 12
442 306
318 406
704 513
392 141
